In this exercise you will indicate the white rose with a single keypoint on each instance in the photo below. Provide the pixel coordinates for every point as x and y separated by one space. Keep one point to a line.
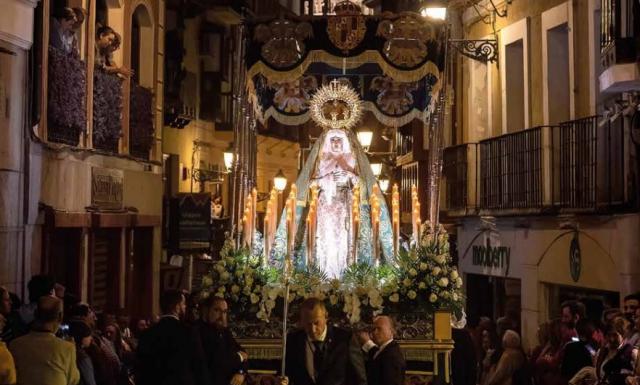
422 285
248 281
221 289
270 304
394 297
207 281
459 282
220 295
273 293
441 258
454 274
254 299
443 282
225 276
412 294
436 270
433 298
423 266
406 282
454 296
235 289
413 272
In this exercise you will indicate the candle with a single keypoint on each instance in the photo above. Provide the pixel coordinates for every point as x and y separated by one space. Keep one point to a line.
395 217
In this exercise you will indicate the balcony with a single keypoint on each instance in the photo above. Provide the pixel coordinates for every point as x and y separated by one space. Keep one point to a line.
579 166
511 171
459 179
107 111
141 134
66 96
620 45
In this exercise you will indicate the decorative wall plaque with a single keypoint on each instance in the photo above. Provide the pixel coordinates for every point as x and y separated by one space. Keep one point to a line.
347 29
107 188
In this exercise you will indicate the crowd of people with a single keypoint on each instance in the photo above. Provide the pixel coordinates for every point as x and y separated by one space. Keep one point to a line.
571 349
54 339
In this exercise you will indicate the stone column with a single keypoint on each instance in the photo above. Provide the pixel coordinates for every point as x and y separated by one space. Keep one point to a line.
15 41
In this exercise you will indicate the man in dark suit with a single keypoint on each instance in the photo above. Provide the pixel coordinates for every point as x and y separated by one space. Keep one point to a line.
385 361
318 353
169 352
225 358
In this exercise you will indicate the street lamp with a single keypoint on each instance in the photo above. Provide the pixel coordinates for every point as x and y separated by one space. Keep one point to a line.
434 9
228 158
376 168
365 137
280 181
383 182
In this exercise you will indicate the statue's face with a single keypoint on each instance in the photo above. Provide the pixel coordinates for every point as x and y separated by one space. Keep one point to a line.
336 144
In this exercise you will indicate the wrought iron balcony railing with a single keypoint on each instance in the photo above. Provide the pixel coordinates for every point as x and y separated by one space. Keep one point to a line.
620 31
511 171
66 98
583 165
141 134
459 177
107 111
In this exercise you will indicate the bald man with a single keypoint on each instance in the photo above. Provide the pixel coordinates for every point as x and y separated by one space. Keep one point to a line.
40 356
321 354
385 363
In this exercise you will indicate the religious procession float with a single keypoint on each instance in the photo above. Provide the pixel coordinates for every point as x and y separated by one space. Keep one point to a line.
336 238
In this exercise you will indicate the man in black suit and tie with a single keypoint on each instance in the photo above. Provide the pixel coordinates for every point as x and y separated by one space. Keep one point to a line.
385 363
169 353
225 358
320 354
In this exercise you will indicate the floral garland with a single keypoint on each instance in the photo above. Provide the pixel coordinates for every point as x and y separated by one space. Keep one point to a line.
423 281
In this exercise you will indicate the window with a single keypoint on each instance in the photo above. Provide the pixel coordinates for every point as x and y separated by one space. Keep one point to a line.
514 74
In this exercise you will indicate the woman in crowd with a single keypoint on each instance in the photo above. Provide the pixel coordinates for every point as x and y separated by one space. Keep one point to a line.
614 363
488 344
546 365
7 366
81 334
511 361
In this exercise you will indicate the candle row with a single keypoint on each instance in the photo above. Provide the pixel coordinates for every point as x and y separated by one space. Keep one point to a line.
312 224
374 201
270 223
355 222
291 220
249 219
415 213
395 217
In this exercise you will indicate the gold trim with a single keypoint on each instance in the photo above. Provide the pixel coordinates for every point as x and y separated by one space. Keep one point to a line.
369 56
296 120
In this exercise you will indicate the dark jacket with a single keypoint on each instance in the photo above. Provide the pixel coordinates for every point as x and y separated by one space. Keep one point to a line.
464 363
170 353
220 353
387 368
337 366
576 357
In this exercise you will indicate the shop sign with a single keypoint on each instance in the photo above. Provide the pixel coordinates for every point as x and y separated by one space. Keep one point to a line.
107 188
194 220
497 257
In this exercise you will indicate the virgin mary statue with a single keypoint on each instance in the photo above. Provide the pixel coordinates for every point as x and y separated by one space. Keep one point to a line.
336 164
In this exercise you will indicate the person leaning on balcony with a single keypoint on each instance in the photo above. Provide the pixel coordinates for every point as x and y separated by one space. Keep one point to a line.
61 29
107 42
75 28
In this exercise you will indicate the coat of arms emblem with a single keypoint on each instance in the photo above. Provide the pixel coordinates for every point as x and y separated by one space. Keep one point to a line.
347 28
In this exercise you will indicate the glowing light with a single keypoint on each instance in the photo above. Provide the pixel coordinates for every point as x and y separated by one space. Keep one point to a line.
383 182
365 137
376 168
228 159
280 181
438 13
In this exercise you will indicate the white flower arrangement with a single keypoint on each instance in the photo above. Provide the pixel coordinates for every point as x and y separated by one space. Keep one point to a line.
424 280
